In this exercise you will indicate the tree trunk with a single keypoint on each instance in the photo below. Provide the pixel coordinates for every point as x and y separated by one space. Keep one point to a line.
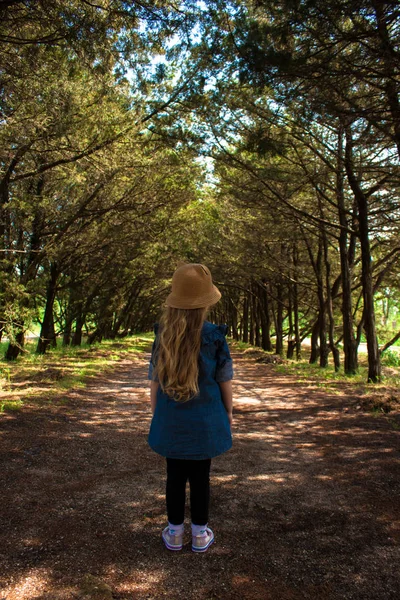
70 313
67 331
266 343
79 323
257 314
323 348
329 303
349 342
106 327
14 350
296 305
314 354
291 342
316 263
233 319
252 319
279 320
47 333
245 320
374 363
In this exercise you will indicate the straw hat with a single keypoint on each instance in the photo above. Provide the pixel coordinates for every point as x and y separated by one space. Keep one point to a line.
192 287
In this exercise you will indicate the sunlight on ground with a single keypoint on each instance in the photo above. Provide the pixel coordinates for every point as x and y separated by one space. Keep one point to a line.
151 579
247 400
257 436
36 580
224 477
266 477
285 438
276 478
35 541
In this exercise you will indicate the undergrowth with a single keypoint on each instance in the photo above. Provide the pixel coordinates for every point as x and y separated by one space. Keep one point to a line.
42 378
382 397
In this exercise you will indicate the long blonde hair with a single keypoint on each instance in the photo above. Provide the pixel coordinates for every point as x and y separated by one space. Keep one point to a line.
178 351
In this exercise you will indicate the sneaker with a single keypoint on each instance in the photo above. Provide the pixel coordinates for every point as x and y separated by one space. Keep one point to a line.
172 539
201 542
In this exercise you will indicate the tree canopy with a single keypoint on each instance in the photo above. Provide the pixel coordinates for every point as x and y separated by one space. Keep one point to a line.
261 138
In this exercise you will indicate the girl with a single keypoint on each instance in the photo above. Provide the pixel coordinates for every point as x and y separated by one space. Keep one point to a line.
191 400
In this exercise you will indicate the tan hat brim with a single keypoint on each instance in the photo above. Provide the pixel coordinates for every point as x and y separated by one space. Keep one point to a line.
208 300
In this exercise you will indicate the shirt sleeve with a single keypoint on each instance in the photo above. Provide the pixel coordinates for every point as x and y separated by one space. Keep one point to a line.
224 370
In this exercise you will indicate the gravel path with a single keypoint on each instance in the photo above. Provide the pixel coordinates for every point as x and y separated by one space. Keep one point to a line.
305 506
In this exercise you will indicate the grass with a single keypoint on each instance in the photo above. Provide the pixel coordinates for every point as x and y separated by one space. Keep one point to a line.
325 377
382 397
43 378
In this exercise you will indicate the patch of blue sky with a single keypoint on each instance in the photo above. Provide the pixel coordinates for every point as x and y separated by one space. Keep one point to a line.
208 166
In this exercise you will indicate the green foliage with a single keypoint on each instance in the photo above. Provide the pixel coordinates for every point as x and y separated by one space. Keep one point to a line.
219 145
391 358
10 405
42 379
325 378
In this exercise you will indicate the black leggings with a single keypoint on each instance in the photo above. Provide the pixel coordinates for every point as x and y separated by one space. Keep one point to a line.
198 473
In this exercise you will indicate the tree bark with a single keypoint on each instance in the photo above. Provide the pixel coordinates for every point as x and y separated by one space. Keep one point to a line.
349 342
279 319
296 305
245 320
14 349
314 354
374 364
257 315
252 319
323 348
329 303
316 263
291 341
79 323
67 331
47 333
390 343
266 343
233 319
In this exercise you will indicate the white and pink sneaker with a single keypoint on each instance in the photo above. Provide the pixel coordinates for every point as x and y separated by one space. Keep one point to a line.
173 536
202 538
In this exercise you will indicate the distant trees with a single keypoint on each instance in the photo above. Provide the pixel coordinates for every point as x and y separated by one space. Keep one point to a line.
266 144
85 189
336 64
302 100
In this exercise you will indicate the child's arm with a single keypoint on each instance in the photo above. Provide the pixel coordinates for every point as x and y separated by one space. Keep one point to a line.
153 395
226 393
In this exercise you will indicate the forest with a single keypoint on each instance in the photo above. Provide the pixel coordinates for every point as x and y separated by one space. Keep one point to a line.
259 137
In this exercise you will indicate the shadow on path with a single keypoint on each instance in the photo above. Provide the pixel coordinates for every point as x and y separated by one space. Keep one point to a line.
305 505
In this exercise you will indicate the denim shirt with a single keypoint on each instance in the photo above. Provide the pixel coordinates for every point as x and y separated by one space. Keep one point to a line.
198 428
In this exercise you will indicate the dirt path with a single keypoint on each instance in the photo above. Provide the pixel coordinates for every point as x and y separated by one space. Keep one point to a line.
306 504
